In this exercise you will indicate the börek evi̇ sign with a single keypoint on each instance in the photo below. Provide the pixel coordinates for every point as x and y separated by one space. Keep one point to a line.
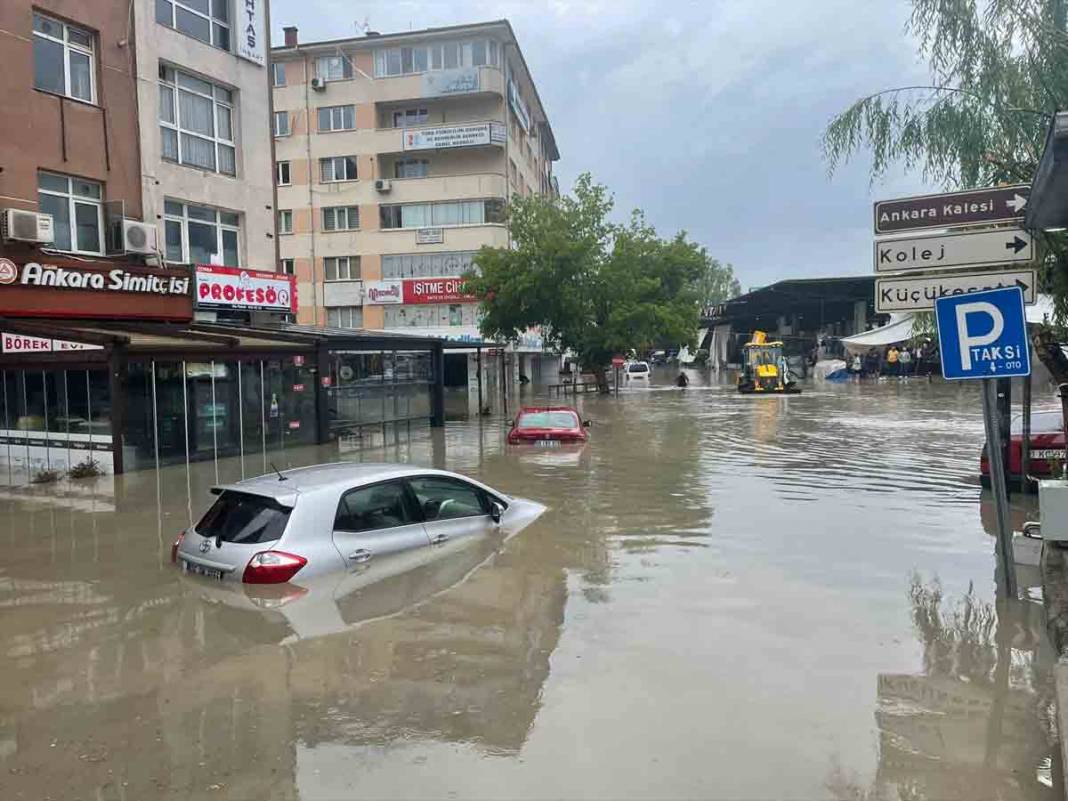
67 288
418 291
234 288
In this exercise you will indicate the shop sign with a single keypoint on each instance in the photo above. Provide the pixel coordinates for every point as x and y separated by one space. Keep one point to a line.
20 343
515 100
235 288
450 82
418 291
449 136
429 236
64 288
250 33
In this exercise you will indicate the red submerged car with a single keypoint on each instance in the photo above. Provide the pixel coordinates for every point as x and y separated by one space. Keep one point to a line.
1047 448
548 426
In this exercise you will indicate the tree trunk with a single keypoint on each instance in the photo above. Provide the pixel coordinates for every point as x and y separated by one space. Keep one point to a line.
603 387
1048 350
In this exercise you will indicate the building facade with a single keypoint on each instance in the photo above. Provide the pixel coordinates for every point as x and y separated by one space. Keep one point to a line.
204 111
395 157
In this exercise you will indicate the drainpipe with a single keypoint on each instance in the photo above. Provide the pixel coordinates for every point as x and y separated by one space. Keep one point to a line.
311 190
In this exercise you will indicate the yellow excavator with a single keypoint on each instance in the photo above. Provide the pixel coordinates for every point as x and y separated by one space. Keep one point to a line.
764 369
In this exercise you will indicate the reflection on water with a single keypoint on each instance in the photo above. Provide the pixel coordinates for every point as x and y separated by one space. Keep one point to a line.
720 602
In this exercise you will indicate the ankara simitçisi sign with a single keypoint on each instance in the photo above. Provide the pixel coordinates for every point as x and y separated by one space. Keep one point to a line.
250 290
992 204
966 249
983 335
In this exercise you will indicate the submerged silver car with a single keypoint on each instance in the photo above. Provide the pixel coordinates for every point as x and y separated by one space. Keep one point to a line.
338 517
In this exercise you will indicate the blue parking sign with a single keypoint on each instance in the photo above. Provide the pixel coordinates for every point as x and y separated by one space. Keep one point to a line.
983 334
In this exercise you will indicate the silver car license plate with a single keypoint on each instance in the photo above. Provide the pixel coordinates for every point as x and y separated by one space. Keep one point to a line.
201 570
548 443
1048 453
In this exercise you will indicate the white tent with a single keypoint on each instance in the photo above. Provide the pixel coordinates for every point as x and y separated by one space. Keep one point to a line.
899 329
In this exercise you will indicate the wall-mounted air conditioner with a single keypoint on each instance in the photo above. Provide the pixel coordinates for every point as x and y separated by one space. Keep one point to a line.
138 237
383 184
27 226
318 84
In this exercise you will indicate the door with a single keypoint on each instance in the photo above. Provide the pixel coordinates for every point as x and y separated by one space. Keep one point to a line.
451 508
376 521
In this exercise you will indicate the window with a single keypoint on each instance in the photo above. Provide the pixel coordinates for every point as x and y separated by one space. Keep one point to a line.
206 20
282 174
200 234
333 68
285 221
411 168
337 168
341 218
372 508
77 211
344 317
457 212
278 74
409 117
281 123
196 120
245 518
341 268
446 498
447 56
63 59
431 315
288 267
426 265
337 118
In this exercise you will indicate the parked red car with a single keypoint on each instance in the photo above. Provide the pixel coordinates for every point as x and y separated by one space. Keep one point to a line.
548 426
1047 448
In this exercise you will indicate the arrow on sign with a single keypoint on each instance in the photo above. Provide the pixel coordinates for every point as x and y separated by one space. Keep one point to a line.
1016 204
1016 245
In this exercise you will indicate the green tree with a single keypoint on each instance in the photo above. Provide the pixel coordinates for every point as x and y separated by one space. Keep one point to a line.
593 287
717 284
999 70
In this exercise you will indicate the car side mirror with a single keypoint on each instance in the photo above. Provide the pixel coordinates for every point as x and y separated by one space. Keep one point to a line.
496 510
587 423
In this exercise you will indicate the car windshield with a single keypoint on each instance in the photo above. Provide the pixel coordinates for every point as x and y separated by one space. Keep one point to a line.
244 518
640 367
547 420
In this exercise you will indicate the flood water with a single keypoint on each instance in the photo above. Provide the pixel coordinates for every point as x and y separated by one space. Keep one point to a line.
729 597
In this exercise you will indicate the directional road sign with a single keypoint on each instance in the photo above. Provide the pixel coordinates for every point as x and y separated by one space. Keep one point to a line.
919 292
983 335
952 209
967 249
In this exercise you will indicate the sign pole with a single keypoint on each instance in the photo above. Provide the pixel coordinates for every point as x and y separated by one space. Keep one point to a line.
995 457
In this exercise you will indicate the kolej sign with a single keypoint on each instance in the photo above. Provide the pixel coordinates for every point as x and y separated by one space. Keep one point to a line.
418 291
250 34
73 289
235 288
453 136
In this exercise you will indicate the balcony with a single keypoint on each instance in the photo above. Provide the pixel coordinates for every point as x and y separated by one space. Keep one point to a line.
461 237
430 138
439 84
445 187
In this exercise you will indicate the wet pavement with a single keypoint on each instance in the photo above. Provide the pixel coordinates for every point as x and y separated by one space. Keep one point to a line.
729 597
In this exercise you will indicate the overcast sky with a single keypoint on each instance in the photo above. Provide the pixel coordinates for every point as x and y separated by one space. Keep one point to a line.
706 114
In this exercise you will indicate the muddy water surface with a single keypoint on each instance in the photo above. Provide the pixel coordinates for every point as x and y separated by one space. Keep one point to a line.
728 598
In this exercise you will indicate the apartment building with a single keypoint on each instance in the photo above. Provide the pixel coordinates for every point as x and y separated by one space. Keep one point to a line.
395 157
204 113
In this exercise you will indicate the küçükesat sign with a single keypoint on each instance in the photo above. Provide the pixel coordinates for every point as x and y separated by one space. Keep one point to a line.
63 287
250 34
417 291
244 290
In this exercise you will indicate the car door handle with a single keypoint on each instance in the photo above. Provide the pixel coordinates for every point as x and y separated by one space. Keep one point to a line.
437 539
360 555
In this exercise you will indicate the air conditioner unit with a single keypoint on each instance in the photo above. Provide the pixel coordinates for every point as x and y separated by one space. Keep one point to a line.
27 226
383 184
318 84
138 237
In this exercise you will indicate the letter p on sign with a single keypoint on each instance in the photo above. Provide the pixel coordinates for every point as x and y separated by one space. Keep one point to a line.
983 334
969 341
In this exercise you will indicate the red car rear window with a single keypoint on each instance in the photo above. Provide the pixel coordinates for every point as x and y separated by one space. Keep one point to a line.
547 420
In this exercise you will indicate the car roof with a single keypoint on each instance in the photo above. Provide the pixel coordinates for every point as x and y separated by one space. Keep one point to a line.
314 478
534 409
